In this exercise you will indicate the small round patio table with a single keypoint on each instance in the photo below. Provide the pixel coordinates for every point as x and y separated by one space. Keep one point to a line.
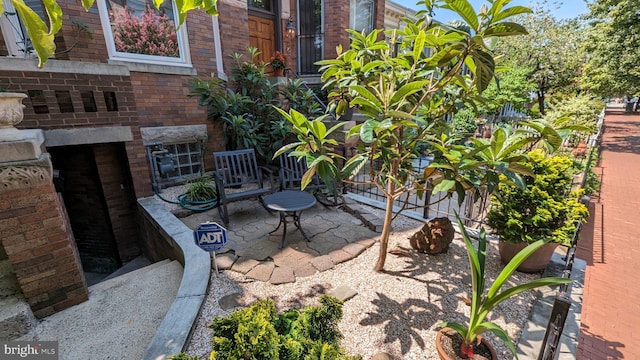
289 204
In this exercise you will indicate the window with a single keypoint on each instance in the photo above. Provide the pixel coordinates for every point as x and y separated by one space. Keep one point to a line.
361 15
188 159
136 31
260 4
15 34
310 35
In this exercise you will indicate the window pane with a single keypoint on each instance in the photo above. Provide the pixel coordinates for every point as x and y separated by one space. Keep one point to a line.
139 28
311 37
260 4
362 15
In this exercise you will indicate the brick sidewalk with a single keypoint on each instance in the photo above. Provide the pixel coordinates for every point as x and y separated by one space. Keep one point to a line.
610 327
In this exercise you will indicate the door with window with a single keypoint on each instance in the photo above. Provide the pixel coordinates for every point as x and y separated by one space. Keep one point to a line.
262 33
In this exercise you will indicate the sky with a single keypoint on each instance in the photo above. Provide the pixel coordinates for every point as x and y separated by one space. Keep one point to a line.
565 10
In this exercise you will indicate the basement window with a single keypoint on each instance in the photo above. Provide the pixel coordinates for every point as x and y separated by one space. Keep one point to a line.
188 159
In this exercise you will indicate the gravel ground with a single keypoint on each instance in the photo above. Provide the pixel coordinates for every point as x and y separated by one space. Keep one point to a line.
396 312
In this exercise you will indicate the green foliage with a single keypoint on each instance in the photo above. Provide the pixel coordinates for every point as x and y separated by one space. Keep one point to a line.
482 304
581 109
592 182
201 189
258 332
612 42
546 209
405 91
464 123
246 107
551 53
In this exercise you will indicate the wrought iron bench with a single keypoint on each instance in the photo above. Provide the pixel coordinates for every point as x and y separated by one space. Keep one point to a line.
235 170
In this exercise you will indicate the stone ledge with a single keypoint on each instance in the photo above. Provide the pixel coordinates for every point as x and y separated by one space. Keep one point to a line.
173 333
532 335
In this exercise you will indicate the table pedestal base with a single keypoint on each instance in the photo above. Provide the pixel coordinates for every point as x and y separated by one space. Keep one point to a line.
295 216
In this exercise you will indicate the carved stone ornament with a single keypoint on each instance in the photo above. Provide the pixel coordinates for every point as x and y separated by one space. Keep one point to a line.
11 113
26 174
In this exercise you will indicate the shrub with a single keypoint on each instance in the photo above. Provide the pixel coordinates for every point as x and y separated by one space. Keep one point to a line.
149 34
258 332
201 189
545 209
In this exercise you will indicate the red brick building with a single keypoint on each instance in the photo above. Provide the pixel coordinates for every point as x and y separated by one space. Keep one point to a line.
104 98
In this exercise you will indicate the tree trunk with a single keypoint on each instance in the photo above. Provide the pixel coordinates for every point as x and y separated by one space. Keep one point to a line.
541 101
388 216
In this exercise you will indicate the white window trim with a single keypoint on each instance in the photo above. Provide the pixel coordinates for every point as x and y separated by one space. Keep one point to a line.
183 43
10 36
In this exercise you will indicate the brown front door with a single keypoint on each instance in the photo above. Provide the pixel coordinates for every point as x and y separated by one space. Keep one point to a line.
262 36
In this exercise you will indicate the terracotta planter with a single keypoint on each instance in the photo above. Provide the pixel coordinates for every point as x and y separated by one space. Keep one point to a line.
445 350
534 263
278 72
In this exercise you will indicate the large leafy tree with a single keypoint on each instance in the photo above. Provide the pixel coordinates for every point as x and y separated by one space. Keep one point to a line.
42 34
551 51
404 91
613 44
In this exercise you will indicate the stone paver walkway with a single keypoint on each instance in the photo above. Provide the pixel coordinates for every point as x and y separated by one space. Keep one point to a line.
335 235
610 327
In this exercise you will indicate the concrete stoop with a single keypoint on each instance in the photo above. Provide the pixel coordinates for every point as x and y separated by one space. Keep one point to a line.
16 318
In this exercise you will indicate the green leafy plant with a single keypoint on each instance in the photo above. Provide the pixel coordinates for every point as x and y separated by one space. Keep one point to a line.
258 332
404 92
201 189
278 61
544 209
482 304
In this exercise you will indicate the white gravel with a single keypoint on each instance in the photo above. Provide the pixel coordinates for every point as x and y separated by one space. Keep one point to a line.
396 312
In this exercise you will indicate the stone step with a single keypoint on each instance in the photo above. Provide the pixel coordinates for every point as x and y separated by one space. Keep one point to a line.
119 280
135 264
16 318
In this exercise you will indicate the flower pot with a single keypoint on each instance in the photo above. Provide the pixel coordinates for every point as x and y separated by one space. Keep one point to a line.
11 114
534 263
278 72
448 343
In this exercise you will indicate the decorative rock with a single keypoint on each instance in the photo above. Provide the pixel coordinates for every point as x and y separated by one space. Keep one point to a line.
354 249
225 261
231 301
382 356
434 237
339 256
282 275
343 293
261 272
322 263
244 266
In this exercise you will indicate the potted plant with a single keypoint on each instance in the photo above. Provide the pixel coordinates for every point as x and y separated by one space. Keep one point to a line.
545 208
200 195
469 336
278 63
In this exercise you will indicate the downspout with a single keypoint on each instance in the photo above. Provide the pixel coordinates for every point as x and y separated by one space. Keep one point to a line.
218 48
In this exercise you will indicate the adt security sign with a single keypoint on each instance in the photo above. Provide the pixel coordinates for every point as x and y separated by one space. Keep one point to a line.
210 236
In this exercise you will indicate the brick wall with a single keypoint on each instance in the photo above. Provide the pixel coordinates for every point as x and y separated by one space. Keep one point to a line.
87 208
234 30
34 234
111 162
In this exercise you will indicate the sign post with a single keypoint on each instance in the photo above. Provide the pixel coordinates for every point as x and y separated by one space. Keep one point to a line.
210 237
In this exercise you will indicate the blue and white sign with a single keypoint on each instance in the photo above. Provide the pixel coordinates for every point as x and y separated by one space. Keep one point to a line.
210 236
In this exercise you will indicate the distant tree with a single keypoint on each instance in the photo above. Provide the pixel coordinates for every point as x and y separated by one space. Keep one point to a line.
512 86
613 43
551 51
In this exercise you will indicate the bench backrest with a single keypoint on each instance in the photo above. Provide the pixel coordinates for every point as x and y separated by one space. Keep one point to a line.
292 170
237 167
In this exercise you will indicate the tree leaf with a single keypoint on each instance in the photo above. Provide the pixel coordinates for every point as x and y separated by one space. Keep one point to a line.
512 11
505 29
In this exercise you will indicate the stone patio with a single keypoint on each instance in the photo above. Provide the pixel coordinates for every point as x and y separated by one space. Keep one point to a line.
337 234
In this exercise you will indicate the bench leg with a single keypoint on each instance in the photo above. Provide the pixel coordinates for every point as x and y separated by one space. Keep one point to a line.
224 214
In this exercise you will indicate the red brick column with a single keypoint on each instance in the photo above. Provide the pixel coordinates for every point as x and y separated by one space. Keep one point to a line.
36 235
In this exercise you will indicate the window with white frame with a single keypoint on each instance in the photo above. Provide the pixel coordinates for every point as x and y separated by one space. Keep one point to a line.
14 32
136 31
361 15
